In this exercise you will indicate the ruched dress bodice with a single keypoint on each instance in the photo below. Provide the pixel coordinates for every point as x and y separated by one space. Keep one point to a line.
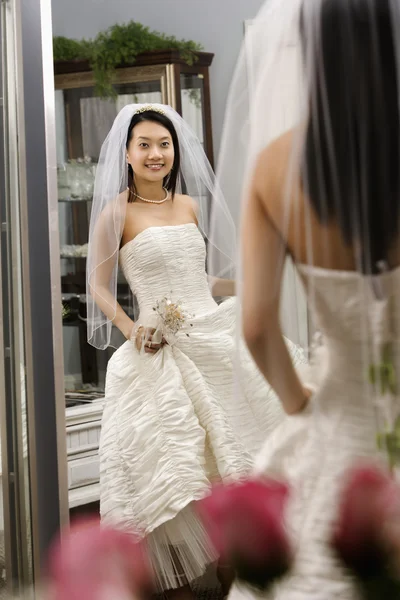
165 261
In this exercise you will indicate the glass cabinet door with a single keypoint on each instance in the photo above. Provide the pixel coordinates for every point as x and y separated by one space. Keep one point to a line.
193 108
192 99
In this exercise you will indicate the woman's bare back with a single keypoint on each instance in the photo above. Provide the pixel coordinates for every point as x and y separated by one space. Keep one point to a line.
307 239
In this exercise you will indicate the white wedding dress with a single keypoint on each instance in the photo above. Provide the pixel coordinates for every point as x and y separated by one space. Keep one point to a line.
172 423
313 450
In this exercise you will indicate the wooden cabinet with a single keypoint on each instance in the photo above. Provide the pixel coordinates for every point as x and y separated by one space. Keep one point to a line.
83 435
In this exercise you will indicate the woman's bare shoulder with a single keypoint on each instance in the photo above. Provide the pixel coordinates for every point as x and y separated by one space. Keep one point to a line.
184 199
273 159
109 210
187 202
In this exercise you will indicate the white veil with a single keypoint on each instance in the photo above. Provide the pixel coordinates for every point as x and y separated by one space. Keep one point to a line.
265 100
196 179
283 81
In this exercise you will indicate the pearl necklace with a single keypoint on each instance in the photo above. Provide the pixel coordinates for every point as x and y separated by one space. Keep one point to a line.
153 201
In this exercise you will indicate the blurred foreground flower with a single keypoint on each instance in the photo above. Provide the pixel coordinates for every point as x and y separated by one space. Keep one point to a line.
93 562
245 524
363 537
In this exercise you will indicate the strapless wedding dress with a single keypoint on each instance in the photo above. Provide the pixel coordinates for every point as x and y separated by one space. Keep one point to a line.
172 423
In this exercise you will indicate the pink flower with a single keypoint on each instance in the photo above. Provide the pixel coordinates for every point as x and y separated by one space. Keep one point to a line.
245 524
92 562
370 500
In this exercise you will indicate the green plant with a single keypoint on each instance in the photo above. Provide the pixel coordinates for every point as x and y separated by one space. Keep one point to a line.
120 44
67 49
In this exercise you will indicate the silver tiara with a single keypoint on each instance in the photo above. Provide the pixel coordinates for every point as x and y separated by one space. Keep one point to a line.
151 107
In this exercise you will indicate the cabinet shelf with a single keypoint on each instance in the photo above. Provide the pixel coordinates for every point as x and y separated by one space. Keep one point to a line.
69 257
75 200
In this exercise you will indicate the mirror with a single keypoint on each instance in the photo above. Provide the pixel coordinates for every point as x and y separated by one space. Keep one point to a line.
82 123
83 120
201 381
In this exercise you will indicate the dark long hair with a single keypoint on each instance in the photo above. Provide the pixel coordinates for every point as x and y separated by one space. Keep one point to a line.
351 157
170 181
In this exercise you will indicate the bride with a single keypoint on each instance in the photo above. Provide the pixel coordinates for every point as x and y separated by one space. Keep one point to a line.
317 89
171 424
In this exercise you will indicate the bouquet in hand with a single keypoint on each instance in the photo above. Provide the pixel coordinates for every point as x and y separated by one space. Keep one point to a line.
171 318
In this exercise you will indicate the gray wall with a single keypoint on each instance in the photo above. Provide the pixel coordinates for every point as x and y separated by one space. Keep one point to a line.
216 24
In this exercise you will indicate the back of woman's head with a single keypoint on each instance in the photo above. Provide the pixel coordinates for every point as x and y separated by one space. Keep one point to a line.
351 155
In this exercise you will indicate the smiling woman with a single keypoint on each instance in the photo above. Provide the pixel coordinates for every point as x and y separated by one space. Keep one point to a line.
152 147
170 423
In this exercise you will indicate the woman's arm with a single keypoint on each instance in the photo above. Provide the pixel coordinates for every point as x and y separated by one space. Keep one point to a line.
263 256
114 312
222 287
103 247
100 291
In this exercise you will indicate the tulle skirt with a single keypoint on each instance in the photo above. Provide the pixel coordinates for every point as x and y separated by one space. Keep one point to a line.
180 550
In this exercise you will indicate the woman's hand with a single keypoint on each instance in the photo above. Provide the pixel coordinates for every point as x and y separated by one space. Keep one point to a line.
307 394
222 288
145 337
299 404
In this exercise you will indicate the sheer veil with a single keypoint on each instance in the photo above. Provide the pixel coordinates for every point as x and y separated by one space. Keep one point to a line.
264 101
196 179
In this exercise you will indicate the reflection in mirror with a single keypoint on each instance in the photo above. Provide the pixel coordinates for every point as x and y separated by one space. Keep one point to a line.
170 422
83 120
82 123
